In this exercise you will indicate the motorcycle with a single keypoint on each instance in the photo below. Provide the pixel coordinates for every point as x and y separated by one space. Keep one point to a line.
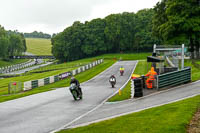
121 72
75 92
112 82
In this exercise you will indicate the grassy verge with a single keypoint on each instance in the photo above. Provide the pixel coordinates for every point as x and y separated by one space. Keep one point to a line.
84 76
128 56
12 62
38 46
195 69
125 94
140 69
170 118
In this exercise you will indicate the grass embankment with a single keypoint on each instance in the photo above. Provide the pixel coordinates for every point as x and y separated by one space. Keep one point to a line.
140 69
170 118
38 46
195 69
12 62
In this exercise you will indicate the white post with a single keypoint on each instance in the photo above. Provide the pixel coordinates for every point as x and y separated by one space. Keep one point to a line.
154 48
182 57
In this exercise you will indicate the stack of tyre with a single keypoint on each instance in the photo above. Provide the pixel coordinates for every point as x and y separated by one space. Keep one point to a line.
138 87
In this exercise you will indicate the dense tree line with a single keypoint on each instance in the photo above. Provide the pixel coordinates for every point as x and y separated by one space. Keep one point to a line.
11 43
36 34
124 32
171 22
178 22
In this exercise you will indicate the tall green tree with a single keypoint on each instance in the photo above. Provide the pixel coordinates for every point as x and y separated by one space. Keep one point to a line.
4 41
181 23
11 43
124 32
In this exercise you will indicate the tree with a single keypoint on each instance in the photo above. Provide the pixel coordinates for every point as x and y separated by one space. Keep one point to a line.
182 24
11 43
4 41
125 32
36 34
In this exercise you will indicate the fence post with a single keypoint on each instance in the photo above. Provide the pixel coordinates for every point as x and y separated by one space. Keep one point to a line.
182 57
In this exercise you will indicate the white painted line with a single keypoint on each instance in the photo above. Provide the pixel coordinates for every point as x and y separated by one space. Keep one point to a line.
124 84
64 126
122 114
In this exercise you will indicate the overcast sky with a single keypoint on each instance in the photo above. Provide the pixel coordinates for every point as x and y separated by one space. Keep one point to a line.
53 16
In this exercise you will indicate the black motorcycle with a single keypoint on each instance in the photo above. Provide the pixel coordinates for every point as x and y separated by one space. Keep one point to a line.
76 93
112 82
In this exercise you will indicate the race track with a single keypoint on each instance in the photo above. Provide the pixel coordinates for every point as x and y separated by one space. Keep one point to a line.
48 111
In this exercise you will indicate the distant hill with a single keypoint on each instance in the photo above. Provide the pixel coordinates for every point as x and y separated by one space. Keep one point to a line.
38 46
36 34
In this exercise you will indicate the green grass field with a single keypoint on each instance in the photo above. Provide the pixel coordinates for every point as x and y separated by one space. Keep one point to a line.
12 62
38 46
170 118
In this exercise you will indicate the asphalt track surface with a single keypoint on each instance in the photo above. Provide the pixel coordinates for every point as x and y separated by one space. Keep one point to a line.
30 68
48 111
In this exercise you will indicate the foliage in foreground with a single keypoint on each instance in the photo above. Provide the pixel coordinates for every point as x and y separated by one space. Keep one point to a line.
170 118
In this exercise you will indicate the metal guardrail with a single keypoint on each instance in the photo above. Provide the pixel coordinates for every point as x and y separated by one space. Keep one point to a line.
32 57
34 83
46 81
174 78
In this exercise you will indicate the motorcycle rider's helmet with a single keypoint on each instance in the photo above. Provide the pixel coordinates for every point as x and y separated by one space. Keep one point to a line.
72 78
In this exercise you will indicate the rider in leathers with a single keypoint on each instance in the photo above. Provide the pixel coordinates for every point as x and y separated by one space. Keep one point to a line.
75 81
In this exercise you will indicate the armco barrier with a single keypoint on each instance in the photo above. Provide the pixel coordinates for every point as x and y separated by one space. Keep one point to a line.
12 68
174 78
46 81
34 84
40 82
56 78
51 79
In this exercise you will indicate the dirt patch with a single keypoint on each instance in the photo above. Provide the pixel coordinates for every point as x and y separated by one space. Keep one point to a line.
194 126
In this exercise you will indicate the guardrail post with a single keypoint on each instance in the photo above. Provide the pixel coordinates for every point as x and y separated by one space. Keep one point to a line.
182 57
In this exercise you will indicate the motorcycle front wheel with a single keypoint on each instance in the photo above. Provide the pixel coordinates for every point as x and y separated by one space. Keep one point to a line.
74 93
